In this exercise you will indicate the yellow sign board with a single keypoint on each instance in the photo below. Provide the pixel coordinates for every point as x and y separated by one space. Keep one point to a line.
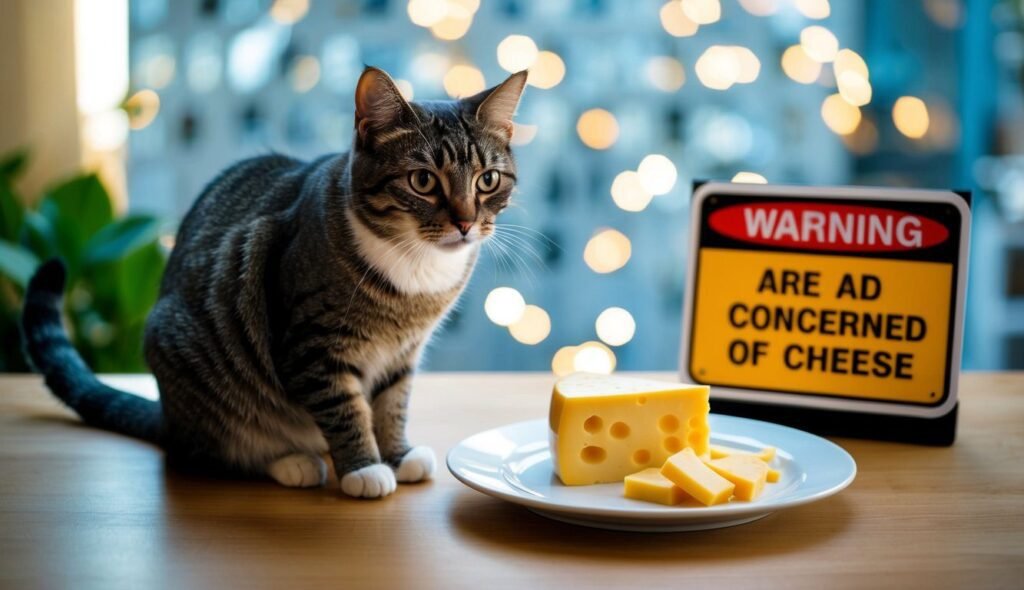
836 300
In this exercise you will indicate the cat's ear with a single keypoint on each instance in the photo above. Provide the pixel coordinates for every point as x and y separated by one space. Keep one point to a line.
496 106
379 104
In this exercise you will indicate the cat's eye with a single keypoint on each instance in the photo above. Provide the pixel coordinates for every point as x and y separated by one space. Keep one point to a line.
422 181
488 181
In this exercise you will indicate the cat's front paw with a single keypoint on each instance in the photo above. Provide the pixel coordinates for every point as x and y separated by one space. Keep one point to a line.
372 481
417 465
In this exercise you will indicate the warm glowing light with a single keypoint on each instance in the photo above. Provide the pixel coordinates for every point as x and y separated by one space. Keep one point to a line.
106 131
289 12
516 53
854 88
760 7
142 107
101 54
305 74
702 12
657 174
598 129
819 43
594 357
547 72
749 178
813 9
523 134
945 13
840 116
675 22
718 67
608 251
504 306
615 326
533 327
404 88
470 6
910 115
562 362
750 66
799 66
629 193
426 13
463 80
848 60
665 73
454 25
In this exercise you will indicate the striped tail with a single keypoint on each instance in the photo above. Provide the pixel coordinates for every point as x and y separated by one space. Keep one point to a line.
66 373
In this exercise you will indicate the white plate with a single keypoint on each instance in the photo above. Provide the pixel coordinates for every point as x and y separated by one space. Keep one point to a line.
514 463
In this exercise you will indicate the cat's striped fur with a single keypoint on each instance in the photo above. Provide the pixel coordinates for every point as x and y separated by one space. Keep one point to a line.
299 296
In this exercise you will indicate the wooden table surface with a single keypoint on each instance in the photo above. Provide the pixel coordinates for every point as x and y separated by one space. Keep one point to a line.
82 508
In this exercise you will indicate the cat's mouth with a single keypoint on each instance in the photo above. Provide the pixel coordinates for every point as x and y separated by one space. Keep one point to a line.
456 241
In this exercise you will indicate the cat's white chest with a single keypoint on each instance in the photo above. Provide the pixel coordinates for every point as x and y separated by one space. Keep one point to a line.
412 267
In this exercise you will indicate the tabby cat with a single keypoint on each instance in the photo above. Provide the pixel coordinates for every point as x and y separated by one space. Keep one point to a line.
299 296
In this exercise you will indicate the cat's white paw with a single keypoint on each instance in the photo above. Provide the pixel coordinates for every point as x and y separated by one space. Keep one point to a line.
417 465
372 481
298 471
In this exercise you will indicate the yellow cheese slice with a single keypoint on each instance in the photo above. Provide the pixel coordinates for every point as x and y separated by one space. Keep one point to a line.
605 427
650 485
747 472
766 454
687 471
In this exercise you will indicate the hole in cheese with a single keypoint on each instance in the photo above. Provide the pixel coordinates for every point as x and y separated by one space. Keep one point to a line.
593 424
620 430
642 457
592 454
673 444
696 421
696 437
641 400
668 423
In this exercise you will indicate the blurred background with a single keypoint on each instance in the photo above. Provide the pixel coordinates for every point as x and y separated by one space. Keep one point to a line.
139 103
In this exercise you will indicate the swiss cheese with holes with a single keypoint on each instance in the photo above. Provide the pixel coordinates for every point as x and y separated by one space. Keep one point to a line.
605 427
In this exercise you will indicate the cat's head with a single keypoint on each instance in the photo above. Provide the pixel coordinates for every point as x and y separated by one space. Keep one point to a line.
435 171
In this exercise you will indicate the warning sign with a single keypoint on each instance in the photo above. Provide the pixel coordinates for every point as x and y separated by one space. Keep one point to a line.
845 298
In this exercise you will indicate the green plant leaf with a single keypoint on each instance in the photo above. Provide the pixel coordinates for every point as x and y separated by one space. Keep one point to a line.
37 235
121 238
138 284
17 263
12 212
13 164
77 209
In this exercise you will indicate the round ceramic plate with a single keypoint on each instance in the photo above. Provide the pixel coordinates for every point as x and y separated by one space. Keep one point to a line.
514 463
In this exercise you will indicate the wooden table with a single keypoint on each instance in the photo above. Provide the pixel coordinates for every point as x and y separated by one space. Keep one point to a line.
82 508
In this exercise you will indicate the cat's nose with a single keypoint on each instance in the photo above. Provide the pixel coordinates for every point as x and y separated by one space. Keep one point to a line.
463 226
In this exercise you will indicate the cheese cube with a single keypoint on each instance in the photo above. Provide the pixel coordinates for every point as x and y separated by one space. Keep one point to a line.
687 471
650 485
605 427
747 472
773 475
766 454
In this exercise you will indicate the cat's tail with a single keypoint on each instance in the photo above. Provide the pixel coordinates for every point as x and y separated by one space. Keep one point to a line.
66 373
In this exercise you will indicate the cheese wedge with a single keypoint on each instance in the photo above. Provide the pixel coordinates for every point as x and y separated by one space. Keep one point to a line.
650 485
766 454
687 471
605 427
746 472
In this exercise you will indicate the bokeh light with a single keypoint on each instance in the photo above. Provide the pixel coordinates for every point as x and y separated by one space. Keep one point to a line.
665 73
629 193
547 71
819 43
760 7
289 12
463 80
813 9
854 88
504 306
848 60
594 357
305 73
864 139
615 326
749 178
749 65
523 134
657 174
142 107
426 13
533 327
702 12
799 66
607 251
562 362
516 53
840 116
675 22
718 67
598 129
405 88
910 115
454 25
